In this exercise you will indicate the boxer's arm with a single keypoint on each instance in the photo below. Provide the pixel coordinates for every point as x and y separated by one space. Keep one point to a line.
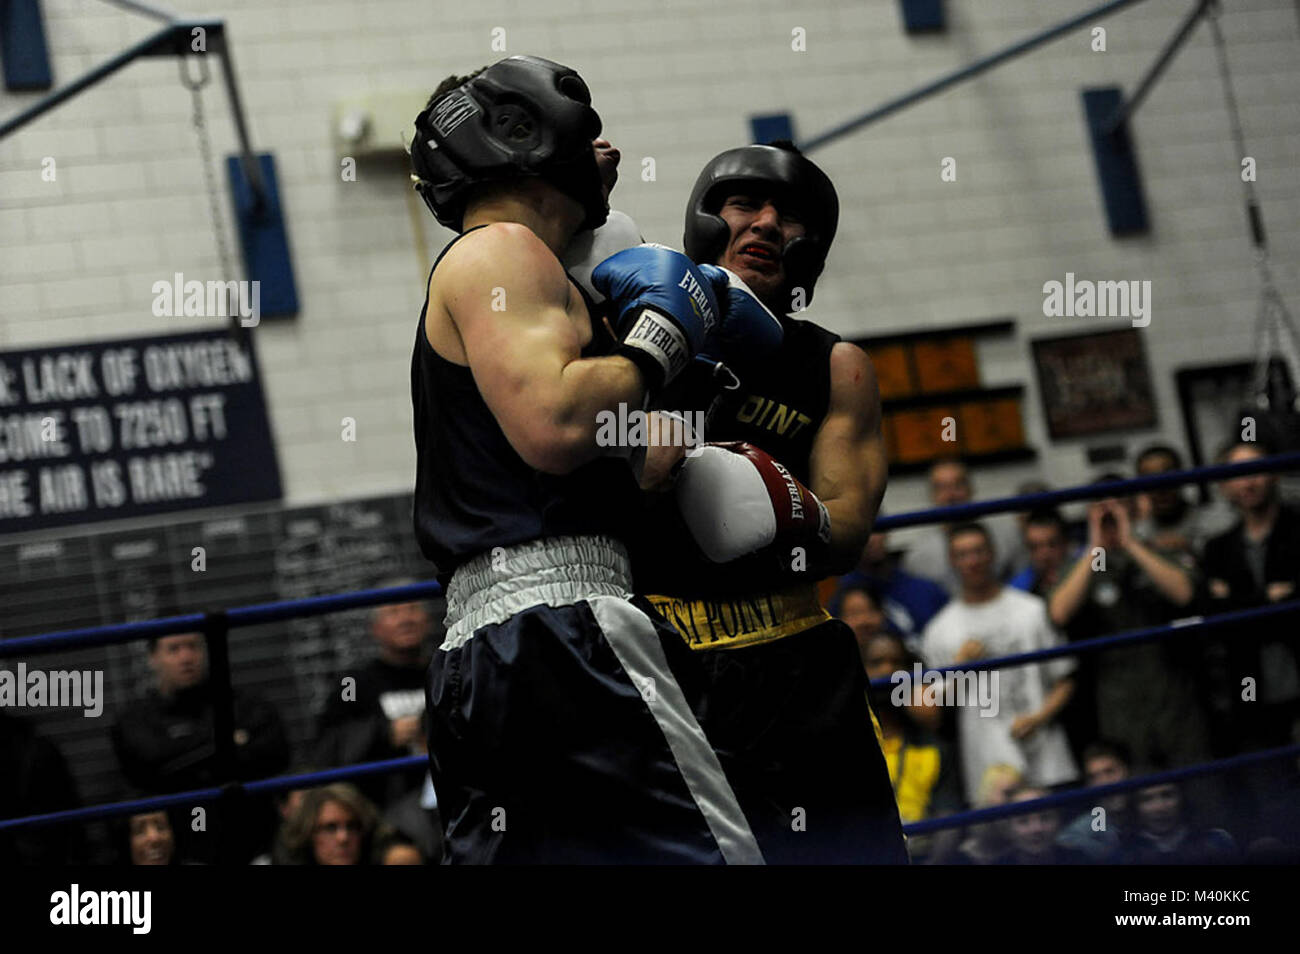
662 456
508 298
848 468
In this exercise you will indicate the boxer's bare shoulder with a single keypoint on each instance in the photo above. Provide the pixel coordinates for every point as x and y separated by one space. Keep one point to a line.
499 277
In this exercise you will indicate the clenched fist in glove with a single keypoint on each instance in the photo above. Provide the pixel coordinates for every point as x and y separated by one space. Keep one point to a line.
666 308
736 499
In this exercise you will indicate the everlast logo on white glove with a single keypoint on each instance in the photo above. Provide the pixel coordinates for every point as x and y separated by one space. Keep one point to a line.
737 500
792 485
797 493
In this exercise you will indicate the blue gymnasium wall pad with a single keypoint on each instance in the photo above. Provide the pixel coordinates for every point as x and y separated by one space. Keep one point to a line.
22 46
923 16
772 126
1116 161
264 238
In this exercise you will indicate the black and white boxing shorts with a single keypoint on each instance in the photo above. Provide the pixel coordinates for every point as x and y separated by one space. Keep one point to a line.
562 719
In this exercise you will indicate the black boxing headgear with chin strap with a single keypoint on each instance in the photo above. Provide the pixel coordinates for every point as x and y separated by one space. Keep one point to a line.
786 175
522 116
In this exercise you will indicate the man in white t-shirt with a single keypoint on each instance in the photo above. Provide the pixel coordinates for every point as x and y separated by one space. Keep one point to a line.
927 550
986 620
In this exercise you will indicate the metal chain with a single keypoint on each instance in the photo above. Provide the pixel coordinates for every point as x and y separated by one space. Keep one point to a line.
1229 94
1274 327
1280 336
201 133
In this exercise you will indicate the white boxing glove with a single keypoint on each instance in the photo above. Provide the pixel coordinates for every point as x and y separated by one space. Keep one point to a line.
736 500
591 247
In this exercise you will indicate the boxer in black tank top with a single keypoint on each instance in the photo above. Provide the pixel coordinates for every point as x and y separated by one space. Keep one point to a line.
558 729
785 700
473 491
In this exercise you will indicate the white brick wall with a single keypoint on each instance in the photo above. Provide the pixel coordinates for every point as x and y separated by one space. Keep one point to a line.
675 80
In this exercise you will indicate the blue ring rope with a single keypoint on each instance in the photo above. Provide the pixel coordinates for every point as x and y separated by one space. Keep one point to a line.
196 622
320 605
1055 799
1110 488
955 820
154 803
1162 631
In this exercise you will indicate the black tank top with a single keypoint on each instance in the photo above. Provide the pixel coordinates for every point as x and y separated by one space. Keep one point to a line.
779 408
473 492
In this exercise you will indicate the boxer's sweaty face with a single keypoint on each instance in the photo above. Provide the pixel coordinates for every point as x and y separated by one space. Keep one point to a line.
761 227
607 157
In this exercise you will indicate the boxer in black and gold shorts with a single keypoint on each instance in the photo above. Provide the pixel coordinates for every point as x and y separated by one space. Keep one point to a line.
784 494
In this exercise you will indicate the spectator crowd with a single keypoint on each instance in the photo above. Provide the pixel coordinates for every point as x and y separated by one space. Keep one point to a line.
964 592
953 596
164 744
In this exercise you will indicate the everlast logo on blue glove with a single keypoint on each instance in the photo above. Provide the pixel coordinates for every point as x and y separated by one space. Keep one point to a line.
666 307
699 301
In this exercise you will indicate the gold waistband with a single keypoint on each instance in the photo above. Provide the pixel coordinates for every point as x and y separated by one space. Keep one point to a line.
742 621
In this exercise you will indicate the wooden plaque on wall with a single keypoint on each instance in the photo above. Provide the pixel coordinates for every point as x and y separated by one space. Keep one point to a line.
893 371
919 434
989 426
947 364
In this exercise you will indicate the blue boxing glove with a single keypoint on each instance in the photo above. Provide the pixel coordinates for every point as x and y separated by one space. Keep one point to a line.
666 307
748 331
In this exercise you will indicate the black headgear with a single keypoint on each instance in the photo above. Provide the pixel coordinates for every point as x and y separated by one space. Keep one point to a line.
787 174
522 116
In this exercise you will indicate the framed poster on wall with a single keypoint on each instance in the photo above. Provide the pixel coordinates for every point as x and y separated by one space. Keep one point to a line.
1094 383
1214 400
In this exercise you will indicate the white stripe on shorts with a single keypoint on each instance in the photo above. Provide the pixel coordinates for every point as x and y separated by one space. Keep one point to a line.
635 642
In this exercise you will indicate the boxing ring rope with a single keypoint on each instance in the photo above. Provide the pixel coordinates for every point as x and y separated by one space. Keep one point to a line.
1082 646
1076 795
958 819
961 819
1098 491
213 793
321 605
254 615
216 626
